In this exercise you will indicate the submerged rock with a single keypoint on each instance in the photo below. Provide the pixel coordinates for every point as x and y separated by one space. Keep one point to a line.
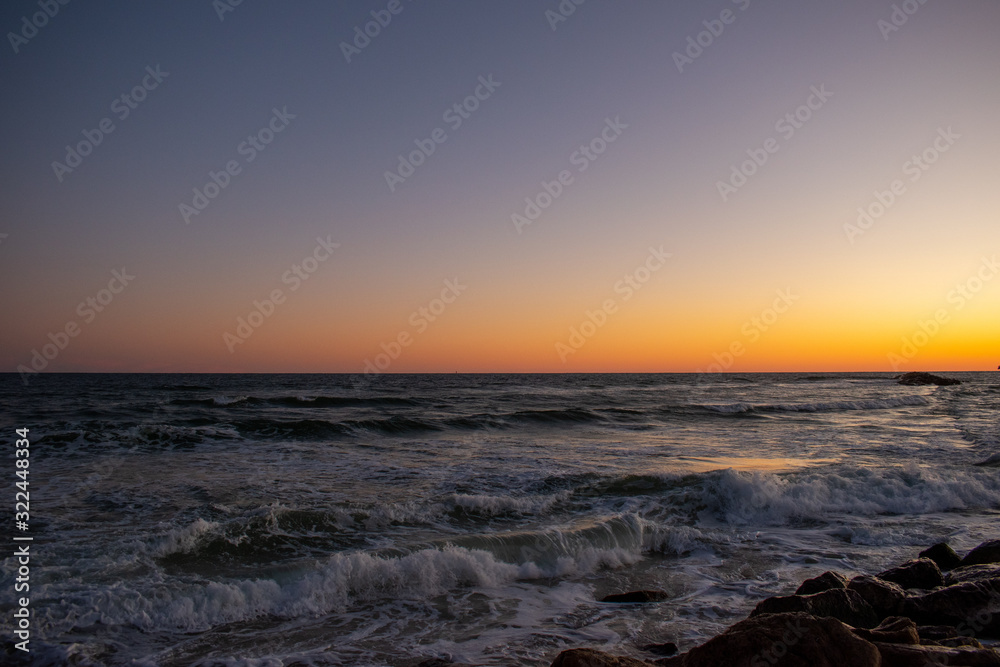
926 378
985 553
588 657
636 596
824 582
943 555
839 603
668 648
919 573
782 640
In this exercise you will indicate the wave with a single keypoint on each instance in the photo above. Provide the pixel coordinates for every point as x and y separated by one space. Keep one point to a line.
823 406
275 532
93 436
182 387
992 462
341 581
225 401
755 498
490 506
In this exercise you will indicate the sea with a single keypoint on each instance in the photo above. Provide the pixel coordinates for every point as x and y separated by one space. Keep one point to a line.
279 520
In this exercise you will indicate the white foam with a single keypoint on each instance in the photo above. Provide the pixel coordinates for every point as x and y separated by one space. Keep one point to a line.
747 498
229 400
345 579
495 505
823 406
183 539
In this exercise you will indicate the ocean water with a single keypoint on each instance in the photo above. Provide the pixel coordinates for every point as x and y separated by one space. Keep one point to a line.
338 520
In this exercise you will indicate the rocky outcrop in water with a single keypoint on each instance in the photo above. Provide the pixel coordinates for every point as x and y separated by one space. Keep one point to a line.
920 378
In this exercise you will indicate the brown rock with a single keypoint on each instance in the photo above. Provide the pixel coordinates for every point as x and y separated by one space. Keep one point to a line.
960 640
824 582
943 555
884 597
588 657
668 648
782 640
919 573
987 552
960 575
839 603
945 635
972 607
930 633
636 596
903 655
894 630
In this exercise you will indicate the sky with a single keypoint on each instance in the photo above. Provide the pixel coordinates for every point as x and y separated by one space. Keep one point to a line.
499 186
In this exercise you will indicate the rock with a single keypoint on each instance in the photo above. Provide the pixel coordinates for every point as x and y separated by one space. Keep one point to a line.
894 630
782 640
904 655
884 597
839 603
945 635
636 596
920 573
588 657
987 552
966 573
669 648
943 555
824 582
960 640
973 608
930 633
926 378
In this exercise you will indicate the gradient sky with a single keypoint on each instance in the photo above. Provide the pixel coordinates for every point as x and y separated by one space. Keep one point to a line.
856 297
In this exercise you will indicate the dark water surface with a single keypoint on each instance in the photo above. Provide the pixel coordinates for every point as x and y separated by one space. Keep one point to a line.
333 520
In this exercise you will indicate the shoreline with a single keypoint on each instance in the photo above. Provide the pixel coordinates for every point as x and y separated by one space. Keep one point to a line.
929 611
